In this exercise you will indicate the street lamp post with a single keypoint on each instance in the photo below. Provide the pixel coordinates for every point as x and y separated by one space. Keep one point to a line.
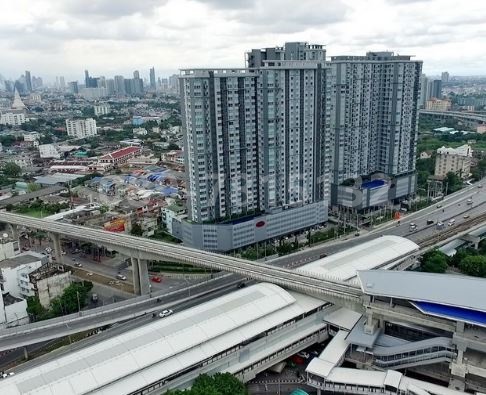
79 305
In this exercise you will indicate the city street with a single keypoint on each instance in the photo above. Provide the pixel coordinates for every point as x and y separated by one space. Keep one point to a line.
453 206
108 269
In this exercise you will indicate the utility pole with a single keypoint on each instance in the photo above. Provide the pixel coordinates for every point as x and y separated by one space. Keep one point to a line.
79 305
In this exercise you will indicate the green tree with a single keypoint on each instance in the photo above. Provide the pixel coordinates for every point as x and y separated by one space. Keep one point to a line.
227 384
173 146
136 230
35 310
219 384
10 169
32 187
461 254
46 139
473 265
453 181
73 298
434 262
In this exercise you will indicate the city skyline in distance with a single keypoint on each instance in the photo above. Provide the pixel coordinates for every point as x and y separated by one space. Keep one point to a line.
169 35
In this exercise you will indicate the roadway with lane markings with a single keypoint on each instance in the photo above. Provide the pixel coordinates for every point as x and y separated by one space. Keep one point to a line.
454 206
152 249
16 337
192 256
118 328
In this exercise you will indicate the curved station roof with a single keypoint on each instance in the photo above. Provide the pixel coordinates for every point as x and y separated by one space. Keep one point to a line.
366 256
448 296
142 356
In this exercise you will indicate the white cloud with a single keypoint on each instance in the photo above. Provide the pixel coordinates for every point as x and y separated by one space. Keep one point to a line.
63 37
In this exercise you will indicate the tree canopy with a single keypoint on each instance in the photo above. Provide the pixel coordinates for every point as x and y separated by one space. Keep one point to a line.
434 262
10 169
219 384
454 182
473 265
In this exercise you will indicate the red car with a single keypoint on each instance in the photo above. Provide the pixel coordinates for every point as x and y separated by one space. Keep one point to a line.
156 279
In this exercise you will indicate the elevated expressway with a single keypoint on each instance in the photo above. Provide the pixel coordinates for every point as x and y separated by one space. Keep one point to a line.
145 249
322 286
471 118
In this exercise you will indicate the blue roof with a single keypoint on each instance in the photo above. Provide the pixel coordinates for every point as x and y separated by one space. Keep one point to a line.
452 313
298 391
373 184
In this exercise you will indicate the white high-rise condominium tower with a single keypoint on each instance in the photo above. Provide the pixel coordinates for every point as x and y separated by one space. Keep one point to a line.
269 143
374 114
81 128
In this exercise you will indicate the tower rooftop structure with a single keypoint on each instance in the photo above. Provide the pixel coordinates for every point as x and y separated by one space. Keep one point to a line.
17 104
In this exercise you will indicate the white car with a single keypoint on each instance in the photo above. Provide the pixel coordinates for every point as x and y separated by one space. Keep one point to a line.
165 313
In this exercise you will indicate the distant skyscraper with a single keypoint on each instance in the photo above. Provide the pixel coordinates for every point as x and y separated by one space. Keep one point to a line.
28 81
73 87
110 86
445 77
136 85
423 91
119 85
174 84
86 78
153 86
164 84
62 83
437 89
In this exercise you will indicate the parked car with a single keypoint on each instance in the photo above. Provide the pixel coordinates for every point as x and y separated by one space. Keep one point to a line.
121 277
165 313
451 222
430 221
77 264
466 216
156 279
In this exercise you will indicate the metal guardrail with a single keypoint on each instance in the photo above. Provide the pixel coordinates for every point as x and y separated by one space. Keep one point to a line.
263 272
99 311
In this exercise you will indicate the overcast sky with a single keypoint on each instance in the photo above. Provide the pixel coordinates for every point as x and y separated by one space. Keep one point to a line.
108 37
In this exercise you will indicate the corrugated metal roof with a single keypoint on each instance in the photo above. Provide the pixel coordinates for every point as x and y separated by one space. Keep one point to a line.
369 255
447 289
139 357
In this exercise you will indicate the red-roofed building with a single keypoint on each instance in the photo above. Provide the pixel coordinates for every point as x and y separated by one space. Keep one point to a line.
120 156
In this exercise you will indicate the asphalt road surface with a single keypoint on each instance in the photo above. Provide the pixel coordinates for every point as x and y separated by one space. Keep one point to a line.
453 206
117 329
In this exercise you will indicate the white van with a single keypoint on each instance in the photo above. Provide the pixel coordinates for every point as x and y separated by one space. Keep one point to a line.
451 222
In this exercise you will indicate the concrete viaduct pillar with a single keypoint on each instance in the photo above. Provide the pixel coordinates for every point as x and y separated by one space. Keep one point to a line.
14 231
457 366
141 284
474 240
136 276
56 240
